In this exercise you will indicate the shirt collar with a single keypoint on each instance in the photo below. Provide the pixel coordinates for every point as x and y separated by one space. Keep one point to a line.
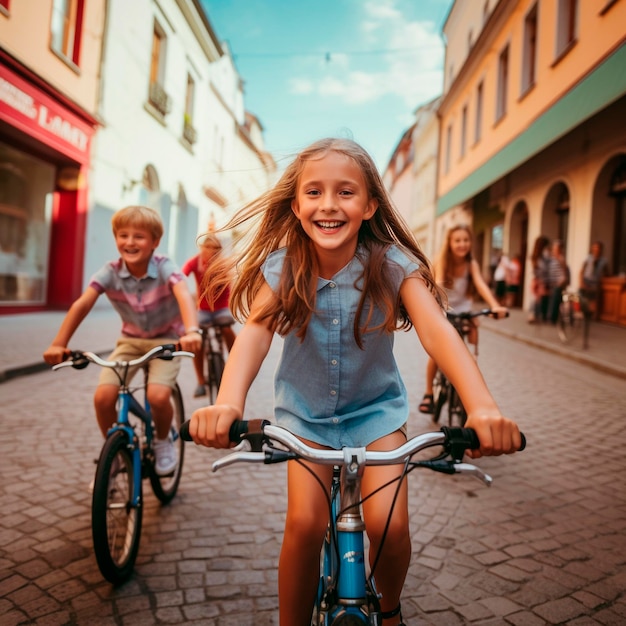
152 271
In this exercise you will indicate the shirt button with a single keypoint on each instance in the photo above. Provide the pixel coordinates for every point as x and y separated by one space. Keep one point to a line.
335 321
333 392
335 420
333 362
332 285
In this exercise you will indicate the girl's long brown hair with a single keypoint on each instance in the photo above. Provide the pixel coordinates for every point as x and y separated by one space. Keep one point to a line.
446 260
278 227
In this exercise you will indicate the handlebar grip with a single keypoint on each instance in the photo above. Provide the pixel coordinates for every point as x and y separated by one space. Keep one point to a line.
184 431
237 430
461 439
79 360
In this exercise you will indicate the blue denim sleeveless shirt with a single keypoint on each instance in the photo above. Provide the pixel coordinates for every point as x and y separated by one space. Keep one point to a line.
327 389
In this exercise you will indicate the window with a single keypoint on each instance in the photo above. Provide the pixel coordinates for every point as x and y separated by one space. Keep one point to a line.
463 131
189 132
530 50
157 96
479 113
566 25
66 27
503 81
448 148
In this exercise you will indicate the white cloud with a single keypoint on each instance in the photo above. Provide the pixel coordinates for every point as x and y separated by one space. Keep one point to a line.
406 62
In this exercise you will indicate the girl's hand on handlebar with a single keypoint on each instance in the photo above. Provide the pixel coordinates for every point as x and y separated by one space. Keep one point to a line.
497 435
209 425
499 312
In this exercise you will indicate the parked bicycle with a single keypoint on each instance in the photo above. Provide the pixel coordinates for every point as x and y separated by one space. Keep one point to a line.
347 595
574 318
126 458
443 391
214 350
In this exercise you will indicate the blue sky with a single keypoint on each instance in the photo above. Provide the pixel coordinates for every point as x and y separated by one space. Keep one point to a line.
355 68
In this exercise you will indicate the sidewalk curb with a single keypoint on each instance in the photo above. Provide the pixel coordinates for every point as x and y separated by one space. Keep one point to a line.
584 359
35 368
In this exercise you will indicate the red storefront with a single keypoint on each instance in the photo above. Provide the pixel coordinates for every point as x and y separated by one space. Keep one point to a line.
45 144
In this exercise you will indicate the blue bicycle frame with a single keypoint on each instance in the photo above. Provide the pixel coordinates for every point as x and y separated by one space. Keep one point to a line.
344 589
128 404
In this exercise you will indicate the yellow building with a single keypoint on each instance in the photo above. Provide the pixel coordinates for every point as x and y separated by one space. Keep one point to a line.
533 131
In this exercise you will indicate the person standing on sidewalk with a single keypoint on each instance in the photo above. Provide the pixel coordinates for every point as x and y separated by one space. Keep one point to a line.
594 269
151 296
558 279
539 285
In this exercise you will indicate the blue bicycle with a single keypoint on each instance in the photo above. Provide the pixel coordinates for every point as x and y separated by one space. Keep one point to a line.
126 458
347 594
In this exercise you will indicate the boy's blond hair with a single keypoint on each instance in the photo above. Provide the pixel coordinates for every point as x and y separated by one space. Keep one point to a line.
139 217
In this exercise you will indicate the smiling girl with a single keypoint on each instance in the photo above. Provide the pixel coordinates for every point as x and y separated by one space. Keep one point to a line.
335 271
458 272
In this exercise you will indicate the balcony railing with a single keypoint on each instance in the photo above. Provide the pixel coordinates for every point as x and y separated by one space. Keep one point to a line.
190 134
159 99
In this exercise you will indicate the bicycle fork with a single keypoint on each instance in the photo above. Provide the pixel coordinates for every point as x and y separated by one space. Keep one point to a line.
351 595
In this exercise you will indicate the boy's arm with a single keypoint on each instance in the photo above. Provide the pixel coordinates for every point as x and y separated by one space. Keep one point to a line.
57 350
191 340
496 433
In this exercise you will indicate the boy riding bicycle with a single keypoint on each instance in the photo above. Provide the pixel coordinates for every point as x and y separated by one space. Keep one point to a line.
151 296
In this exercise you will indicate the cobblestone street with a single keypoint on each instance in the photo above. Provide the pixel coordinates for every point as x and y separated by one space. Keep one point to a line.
544 545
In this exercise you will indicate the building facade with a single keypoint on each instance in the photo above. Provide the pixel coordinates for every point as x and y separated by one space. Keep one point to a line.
49 77
533 140
411 175
104 104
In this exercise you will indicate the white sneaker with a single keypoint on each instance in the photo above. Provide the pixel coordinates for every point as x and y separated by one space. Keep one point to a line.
165 456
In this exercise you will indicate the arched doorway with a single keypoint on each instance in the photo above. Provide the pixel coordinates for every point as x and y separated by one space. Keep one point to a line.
608 225
555 214
518 244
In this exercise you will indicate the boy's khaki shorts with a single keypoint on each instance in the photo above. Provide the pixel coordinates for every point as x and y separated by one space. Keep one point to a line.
161 372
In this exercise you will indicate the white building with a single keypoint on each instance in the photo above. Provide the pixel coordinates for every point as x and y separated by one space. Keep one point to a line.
175 134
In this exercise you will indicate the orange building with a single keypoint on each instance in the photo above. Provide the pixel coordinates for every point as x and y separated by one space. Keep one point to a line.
49 84
533 131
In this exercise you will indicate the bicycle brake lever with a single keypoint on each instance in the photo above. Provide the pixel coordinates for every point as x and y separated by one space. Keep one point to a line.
472 470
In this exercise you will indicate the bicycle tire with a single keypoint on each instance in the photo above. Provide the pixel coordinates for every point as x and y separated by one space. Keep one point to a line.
115 523
440 395
457 416
216 370
165 487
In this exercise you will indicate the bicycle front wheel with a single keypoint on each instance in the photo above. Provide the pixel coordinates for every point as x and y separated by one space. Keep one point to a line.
165 487
115 522
440 395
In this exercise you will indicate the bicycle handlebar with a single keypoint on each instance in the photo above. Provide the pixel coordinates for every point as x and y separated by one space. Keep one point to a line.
256 438
79 359
468 315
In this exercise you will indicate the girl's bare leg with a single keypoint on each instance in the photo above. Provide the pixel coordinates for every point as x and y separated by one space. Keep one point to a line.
393 562
307 518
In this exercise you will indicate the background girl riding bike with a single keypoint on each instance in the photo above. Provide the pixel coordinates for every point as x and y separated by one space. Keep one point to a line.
334 270
212 306
458 272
